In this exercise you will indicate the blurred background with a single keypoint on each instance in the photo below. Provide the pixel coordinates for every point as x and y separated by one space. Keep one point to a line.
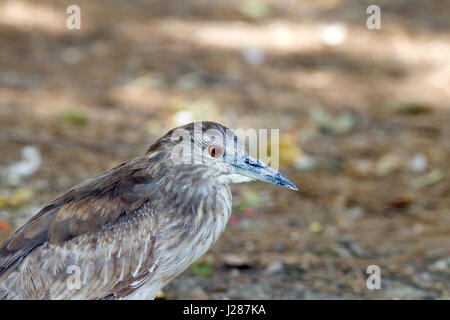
363 115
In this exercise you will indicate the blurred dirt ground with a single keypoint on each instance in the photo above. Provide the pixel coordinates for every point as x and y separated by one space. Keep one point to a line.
363 115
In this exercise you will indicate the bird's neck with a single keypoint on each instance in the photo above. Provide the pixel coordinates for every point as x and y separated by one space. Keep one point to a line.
197 217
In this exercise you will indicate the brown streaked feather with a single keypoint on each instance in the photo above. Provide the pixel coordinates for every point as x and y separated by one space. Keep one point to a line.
110 260
83 209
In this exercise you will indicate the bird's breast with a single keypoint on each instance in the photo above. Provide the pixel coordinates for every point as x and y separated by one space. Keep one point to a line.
185 236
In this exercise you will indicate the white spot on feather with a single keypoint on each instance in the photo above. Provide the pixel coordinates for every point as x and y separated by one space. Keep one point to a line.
85 274
139 266
121 272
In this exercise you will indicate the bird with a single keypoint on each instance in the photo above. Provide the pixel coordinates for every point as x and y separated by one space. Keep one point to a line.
127 232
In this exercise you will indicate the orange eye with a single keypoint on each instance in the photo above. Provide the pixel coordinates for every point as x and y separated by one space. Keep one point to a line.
215 151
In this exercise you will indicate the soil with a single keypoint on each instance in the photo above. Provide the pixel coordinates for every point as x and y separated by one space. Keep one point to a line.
363 117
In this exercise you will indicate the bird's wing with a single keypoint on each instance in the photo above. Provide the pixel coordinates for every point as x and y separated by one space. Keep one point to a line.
89 212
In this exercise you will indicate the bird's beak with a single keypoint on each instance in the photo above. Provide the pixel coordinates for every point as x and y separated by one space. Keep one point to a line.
256 169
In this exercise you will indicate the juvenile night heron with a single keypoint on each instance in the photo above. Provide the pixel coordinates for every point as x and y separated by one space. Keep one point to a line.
129 231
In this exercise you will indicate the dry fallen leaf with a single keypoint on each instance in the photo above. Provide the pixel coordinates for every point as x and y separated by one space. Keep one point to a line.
4 225
160 295
288 150
17 198
387 164
20 196
315 227
427 179
402 202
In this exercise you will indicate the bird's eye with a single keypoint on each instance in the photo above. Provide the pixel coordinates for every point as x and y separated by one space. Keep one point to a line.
215 151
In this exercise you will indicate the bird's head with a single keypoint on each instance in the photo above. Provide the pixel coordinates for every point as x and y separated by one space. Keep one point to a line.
213 152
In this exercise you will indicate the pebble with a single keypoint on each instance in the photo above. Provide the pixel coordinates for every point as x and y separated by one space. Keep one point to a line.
253 56
31 161
418 163
237 261
334 34
274 268
441 265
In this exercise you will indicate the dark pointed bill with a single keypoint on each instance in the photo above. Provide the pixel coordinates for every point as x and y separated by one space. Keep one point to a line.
256 169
